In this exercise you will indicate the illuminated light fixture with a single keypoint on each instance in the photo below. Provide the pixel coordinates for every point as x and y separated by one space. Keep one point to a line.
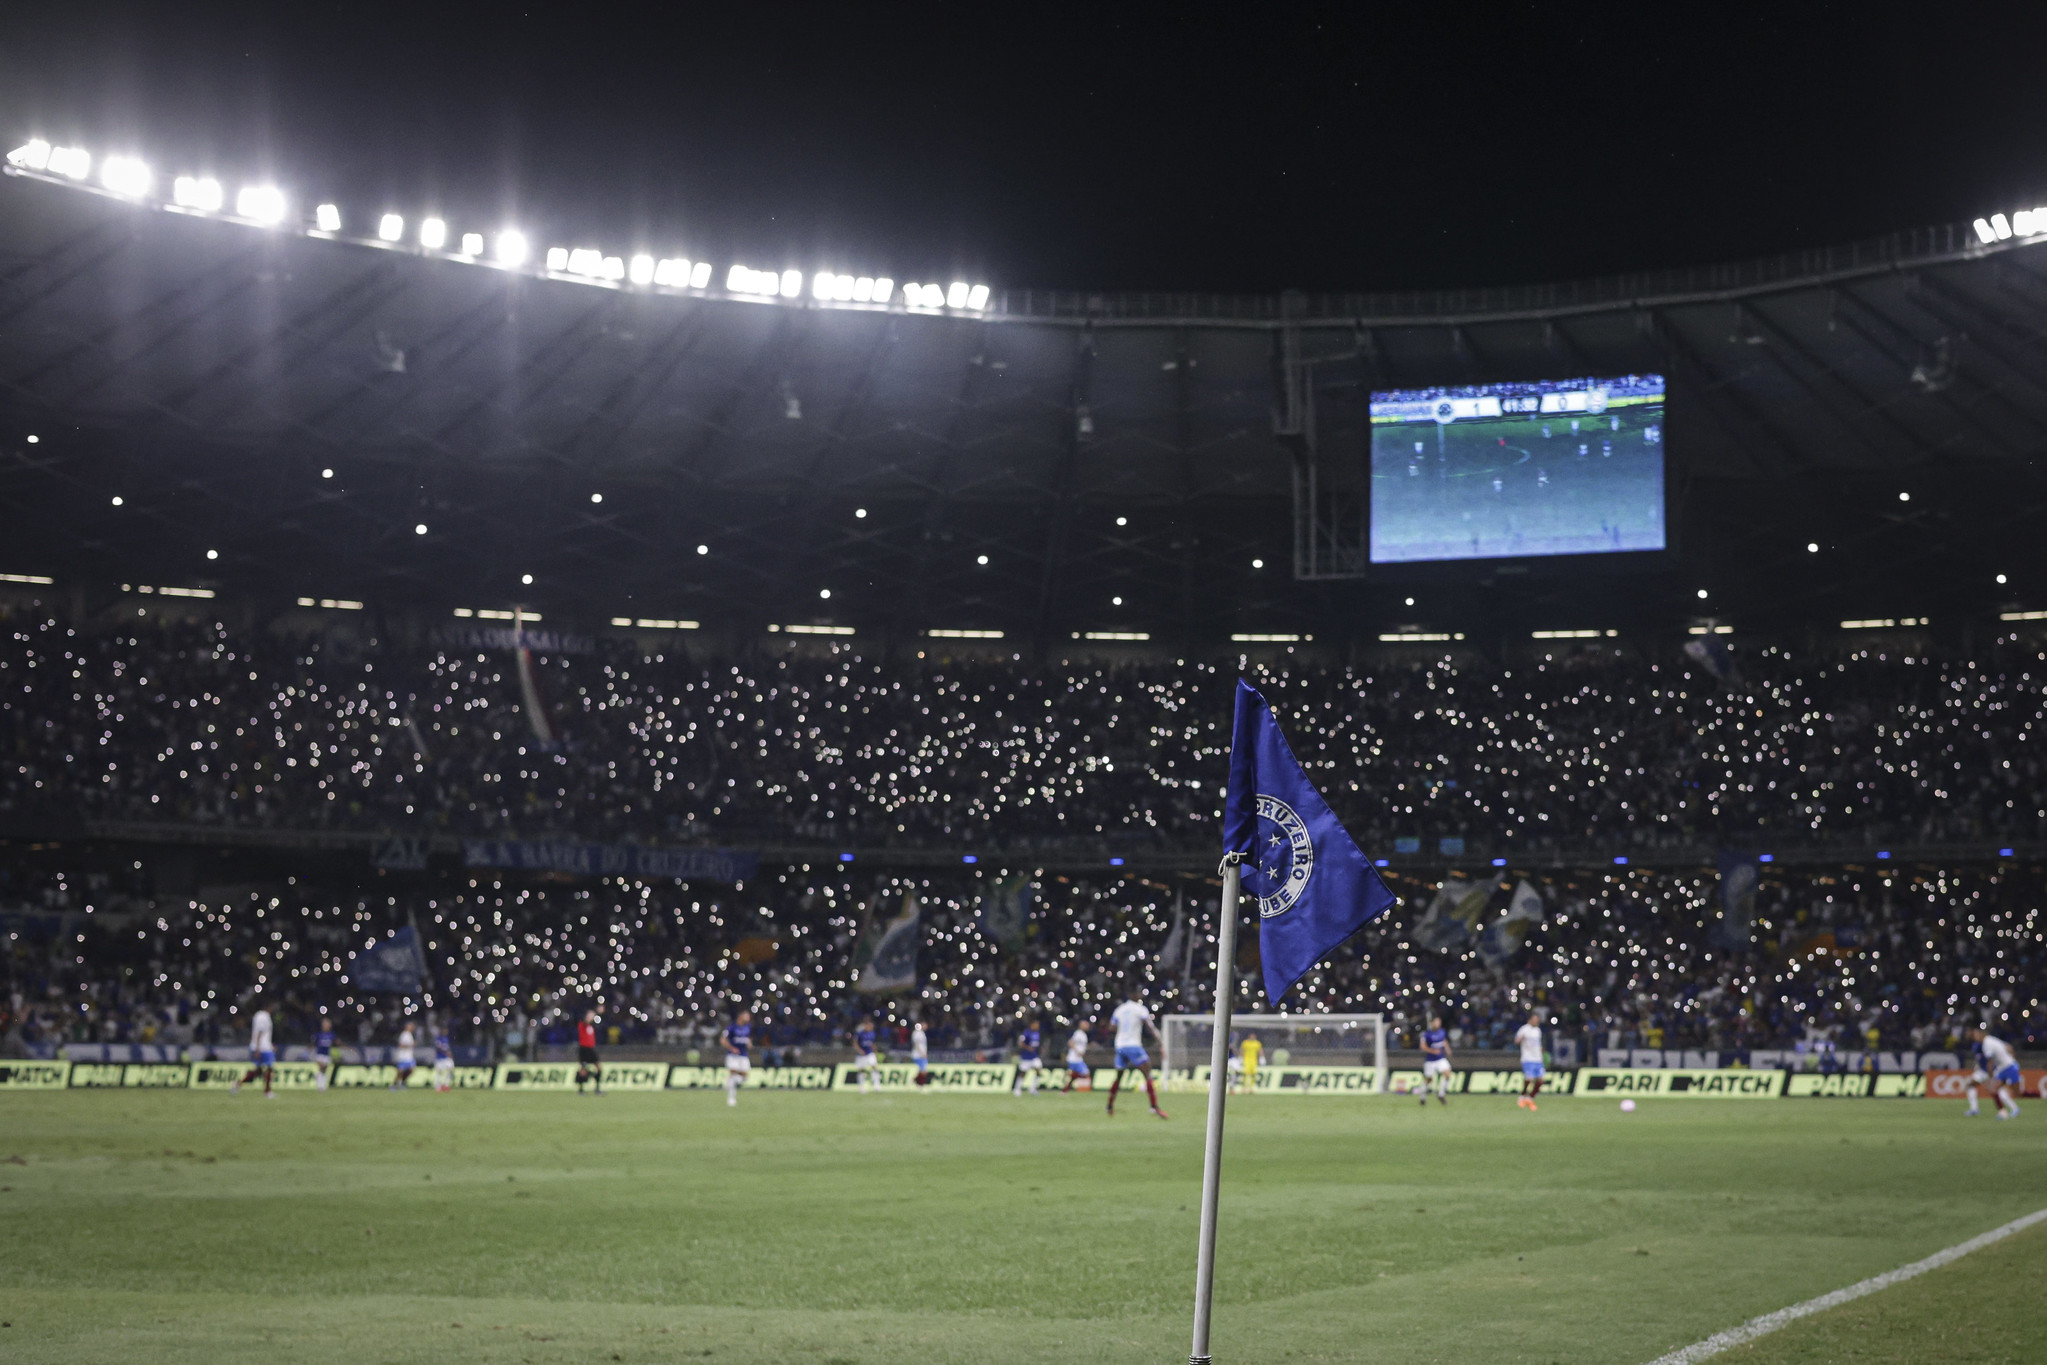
1257 639
742 279
178 592
863 289
1136 635
512 247
597 497
33 155
1411 637
126 176
977 297
1709 630
331 603
700 275
74 163
792 284
391 227
1904 497
556 260
585 261
640 270
703 549
1985 233
117 499
472 244
654 623
1884 622
673 272
26 578
883 288
612 268
2022 616
956 297
197 192
260 204
813 630
420 529
1570 634
1812 547
822 284
2000 225
327 217
949 634
465 611
433 234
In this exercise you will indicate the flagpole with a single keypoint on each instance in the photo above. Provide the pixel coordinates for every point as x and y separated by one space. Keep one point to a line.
1218 1092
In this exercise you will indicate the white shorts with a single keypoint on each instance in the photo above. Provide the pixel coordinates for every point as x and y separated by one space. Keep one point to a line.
864 1062
1031 1064
444 1066
1436 1066
740 1064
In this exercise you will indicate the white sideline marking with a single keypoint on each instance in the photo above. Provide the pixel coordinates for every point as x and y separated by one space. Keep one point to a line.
1783 1317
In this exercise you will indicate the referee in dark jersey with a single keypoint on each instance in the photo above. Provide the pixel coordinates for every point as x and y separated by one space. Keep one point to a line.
588 1068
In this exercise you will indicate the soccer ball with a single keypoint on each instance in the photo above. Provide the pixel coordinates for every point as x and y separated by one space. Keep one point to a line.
1627 1106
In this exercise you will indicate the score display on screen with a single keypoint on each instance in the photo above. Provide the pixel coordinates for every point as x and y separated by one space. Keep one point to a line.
1503 471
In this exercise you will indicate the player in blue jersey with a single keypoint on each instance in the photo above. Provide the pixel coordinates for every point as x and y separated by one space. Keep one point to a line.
444 1061
1995 1062
323 1053
1029 1062
863 1054
738 1063
1436 1062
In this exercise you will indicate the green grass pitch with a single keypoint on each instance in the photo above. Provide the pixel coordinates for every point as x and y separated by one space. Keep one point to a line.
371 1227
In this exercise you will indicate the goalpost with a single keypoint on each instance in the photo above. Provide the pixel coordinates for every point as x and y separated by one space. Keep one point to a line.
1357 1040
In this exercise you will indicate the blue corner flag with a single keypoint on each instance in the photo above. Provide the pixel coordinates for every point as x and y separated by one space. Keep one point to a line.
1312 887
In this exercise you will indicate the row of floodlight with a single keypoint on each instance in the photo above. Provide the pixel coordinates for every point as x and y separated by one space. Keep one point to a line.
2022 223
266 205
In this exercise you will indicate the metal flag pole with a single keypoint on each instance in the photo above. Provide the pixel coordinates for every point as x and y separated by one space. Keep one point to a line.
1218 1092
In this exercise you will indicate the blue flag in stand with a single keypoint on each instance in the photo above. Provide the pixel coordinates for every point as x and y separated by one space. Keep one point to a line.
1312 887
395 965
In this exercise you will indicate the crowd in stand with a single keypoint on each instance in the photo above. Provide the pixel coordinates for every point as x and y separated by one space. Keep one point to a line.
1895 958
1587 750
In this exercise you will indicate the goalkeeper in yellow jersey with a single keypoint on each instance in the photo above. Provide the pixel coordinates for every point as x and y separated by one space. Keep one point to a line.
1251 1050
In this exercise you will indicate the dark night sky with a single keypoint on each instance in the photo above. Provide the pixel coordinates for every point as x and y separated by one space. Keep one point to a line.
1102 146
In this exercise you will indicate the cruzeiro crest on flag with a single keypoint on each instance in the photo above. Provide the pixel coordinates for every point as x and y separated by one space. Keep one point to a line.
1282 859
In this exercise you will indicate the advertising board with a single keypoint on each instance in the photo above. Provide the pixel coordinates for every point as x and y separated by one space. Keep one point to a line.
1680 1083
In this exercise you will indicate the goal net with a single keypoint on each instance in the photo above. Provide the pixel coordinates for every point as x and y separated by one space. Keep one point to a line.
1341 1052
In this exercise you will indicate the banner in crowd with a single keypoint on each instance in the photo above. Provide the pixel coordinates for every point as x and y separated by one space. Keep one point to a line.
1005 912
1739 874
612 860
892 963
395 966
1503 938
1454 915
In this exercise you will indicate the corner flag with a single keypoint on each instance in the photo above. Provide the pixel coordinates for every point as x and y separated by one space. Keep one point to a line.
1312 886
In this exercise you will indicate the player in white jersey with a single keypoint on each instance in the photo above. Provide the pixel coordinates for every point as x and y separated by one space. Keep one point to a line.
1995 1062
1076 1057
1132 1020
262 1052
402 1057
1529 1036
920 1052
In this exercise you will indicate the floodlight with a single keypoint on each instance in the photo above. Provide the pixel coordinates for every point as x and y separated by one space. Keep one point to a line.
74 162
512 247
671 272
2000 225
420 529
213 554
700 275
126 176
640 270
977 297
391 227
260 203
821 284
33 154
472 244
585 261
611 268
956 297
883 287
792 283
824 593
1985 233
197 192
863 289
2022 222
327 218
433 234
557 259
703 549
1812 547
597 497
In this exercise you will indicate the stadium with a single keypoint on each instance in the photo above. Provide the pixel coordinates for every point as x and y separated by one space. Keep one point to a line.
449 674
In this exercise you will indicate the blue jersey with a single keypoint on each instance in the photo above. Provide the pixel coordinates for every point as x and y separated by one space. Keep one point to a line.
1436 1044
738 1037
443 1050
323 1042
1028 1044
864 1040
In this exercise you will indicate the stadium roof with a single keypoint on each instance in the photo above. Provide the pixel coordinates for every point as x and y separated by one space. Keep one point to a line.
1020 468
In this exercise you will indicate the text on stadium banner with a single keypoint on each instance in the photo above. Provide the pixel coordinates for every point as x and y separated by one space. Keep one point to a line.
957 1077
223 1075
760 1078
1681 1083
1942 1084
562 1076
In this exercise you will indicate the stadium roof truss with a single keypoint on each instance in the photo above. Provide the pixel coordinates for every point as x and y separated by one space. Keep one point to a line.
1017 469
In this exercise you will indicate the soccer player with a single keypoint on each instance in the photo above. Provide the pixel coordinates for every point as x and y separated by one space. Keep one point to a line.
1131 1020
1251 1050
403 1057
1529 1036
262 1052
1436 1062
323 1053
1994 1061
1028 1062
1076 1057
920 1052
738 1038
588 1067
863 1053
444 1061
